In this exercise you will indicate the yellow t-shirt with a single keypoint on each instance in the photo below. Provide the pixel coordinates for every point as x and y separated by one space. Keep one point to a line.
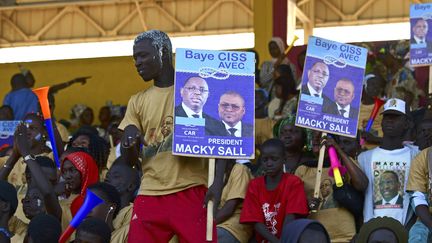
19 212
338 221
263 129
111 157
236 187
418 179
18 228
64 133
17 175
121 225
163 173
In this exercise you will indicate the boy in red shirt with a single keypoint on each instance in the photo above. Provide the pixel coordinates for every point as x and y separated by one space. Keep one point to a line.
275 199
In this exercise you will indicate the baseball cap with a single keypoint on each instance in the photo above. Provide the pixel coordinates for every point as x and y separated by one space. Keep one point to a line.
395 106
9 194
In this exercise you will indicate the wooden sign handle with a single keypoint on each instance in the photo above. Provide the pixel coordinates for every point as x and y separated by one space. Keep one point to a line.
319 170
211 173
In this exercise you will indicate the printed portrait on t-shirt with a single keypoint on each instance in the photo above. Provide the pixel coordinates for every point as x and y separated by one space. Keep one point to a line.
388 187
160 140
326 194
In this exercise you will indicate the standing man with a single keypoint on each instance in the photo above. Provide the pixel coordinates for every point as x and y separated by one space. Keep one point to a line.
21 99
194 95
390 157
173 188
318 76
343 96
231 111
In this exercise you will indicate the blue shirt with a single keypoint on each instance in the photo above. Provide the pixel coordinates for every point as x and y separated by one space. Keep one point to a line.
22 101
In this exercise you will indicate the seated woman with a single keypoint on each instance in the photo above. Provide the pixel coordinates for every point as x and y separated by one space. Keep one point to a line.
297 143
336 218
96 146
285 102
276 48
79 171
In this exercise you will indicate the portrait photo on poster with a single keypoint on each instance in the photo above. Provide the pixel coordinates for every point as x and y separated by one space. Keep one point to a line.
388 185
331 87
214 106
421 34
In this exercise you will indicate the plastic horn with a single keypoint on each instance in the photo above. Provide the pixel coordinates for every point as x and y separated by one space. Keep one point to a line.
291 45
336 168
91 200
377 106
42 94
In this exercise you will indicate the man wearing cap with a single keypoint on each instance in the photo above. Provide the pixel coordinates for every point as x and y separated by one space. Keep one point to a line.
8 206
390 157
194 95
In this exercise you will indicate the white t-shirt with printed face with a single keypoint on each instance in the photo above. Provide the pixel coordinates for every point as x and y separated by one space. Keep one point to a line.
387 171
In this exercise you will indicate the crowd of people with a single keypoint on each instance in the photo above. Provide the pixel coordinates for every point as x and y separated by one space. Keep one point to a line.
151 195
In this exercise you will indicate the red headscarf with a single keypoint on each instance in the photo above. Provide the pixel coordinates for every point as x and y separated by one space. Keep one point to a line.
87 167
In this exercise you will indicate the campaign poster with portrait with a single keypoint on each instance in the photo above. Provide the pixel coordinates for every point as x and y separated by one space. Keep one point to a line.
331 87
389 184
214 104
420 34
7 130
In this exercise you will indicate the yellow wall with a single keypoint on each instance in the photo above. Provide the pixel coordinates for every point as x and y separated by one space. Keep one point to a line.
113 78
263 27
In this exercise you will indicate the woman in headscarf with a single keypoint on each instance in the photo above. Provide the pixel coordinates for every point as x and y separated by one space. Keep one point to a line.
96 146
297 142
285 101
276 48
79 170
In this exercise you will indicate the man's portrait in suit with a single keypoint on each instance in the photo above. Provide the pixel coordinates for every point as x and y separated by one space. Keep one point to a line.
318 76
343 96
389 187
419 30
231 110
194 95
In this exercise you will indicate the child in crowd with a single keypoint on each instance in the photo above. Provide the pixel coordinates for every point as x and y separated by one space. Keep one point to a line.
305 231
93 230
43 228
275 199
8 206
237 177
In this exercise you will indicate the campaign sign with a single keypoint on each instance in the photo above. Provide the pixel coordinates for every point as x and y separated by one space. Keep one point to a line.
331 87
214 104
7 130
420 36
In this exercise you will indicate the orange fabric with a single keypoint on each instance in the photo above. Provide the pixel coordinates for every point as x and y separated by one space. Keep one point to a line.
87 167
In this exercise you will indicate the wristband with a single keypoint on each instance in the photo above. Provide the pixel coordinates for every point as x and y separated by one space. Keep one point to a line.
6 233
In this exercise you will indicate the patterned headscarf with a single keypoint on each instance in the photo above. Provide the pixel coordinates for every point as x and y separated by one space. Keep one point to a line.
290 120
87 167
279 42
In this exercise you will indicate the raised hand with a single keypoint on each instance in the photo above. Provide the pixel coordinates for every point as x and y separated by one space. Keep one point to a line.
22 143
82 80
